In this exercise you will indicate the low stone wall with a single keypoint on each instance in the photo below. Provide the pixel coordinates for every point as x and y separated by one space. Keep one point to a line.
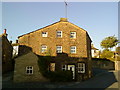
103 64
117 65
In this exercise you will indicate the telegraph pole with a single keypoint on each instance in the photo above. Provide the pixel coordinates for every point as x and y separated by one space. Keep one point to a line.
65 8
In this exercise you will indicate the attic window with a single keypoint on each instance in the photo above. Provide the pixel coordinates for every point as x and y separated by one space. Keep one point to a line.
59 34
44 34
72 34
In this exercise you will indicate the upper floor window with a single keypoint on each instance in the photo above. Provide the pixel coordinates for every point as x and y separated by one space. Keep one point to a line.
43 48
81 67
29 69
59 49
73 49
59 34
44 34
72 34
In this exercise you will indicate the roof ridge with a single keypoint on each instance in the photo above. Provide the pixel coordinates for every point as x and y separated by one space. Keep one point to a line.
51 25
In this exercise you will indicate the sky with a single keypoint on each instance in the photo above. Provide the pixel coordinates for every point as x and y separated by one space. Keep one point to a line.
99 19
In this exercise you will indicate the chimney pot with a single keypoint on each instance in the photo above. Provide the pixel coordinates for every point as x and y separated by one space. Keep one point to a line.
16 41
63 19
10 42
4 31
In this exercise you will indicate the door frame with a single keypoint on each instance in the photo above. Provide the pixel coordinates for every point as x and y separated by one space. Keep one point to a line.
73 69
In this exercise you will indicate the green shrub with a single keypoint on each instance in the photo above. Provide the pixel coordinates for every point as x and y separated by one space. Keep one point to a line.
60 76
56 76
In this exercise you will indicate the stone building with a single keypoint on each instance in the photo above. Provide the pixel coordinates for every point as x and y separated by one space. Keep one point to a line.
7 49
68 44
95 52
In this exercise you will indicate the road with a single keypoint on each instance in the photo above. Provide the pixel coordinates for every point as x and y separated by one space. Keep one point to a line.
103 79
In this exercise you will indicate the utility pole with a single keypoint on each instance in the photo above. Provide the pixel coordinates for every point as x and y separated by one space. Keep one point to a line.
65 8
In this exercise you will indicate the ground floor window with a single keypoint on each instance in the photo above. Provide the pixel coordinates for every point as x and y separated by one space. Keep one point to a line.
81 67
52 66
29 69
64 67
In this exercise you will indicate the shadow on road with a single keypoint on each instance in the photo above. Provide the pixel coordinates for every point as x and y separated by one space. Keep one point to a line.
102 79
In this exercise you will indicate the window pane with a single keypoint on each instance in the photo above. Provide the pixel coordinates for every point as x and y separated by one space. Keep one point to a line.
30 71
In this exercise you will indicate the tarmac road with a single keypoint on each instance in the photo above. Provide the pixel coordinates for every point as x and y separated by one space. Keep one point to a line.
103 79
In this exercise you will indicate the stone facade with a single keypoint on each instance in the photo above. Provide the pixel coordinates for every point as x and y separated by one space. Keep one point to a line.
7 49
34 41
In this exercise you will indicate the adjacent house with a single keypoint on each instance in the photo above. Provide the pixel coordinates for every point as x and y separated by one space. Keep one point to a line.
68 45
95 52
7 50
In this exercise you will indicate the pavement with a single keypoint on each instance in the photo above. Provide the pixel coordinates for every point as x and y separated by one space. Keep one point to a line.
102 79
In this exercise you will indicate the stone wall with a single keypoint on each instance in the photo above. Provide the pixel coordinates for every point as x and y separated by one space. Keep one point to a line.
20 75
7 50
117 65
103 64
35 39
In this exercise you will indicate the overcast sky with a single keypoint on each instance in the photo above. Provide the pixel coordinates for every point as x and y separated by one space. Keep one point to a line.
99 19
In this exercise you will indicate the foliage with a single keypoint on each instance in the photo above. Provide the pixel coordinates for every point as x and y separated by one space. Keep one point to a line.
43 64
118 50
56 76
109 42
60 76
106 53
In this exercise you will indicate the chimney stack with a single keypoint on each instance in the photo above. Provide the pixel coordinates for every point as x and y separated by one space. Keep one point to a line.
5 34
4 31
16 41
10 42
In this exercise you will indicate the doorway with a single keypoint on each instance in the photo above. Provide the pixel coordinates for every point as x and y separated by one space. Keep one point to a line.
72 68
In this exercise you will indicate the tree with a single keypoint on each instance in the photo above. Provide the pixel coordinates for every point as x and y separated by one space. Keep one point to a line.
109 42
106 53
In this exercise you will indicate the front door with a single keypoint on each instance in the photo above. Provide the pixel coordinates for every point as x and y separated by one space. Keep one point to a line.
72 68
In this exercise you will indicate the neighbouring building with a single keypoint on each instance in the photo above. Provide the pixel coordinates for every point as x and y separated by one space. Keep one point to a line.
7 50
117 58
95 52
68 45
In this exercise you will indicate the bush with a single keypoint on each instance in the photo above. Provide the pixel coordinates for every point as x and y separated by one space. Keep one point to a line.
60 76
56 76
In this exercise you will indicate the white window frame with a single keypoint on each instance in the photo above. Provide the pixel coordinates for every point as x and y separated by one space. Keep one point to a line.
43 48
52 67
73 49
58 49
29 70
59 34
72 34
64 67
81 67
44 34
